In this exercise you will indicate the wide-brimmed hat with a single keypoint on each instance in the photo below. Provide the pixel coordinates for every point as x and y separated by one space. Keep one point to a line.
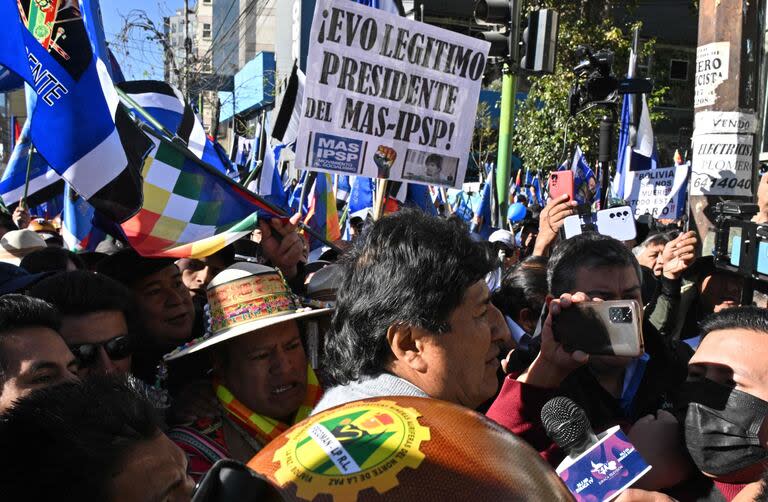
17 244
246 297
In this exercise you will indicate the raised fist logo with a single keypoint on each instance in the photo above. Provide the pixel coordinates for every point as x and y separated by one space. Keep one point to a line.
384 158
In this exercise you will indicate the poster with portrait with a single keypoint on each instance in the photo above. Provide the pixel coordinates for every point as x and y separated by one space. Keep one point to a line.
388 97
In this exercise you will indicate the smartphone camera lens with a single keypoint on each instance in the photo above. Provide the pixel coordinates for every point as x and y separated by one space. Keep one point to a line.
620 315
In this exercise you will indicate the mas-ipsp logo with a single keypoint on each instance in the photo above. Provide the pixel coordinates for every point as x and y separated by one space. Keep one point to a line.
335 153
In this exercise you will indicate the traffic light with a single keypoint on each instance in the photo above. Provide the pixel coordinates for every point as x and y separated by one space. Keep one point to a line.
540 42
504 44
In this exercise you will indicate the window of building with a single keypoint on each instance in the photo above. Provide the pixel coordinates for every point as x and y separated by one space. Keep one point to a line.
678 69
207 2
207 31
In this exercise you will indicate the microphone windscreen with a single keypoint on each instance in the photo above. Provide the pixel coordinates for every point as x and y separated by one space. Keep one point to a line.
565 422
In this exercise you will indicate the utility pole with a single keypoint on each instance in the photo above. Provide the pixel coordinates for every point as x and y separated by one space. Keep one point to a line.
725 104
187 49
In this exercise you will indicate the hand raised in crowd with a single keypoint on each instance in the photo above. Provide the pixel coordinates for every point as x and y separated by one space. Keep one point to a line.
550 220
657 439
554 363
21 216
282 245
678 254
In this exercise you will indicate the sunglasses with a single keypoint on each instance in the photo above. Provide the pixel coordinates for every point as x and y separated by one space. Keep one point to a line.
117 348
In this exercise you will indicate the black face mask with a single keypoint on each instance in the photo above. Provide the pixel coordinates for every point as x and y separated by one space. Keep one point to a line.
721 427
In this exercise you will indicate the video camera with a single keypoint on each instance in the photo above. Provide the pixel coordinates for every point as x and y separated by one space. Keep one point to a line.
599 86
741 246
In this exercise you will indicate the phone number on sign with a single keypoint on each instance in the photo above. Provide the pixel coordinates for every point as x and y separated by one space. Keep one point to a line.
706 182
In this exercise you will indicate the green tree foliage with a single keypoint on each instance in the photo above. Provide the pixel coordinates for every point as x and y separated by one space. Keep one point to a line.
543 119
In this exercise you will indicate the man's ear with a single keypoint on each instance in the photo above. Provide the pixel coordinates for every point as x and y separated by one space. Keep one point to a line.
407 346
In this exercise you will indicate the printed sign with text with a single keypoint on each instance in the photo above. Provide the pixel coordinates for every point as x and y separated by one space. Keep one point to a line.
388 97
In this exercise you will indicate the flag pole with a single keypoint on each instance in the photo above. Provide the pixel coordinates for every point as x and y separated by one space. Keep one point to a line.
147 116
252 174
26 181
381 194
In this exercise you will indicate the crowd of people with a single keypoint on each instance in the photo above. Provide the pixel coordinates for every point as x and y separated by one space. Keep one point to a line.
125 377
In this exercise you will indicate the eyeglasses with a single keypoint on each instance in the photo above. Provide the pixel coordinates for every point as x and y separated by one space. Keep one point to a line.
117 348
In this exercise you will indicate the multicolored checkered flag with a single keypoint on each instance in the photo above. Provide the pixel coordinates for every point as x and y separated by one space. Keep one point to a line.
188 211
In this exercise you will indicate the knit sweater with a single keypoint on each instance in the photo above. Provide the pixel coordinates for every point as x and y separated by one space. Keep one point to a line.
384 384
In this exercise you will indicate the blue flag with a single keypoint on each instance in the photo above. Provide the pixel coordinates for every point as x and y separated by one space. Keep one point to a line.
640 156
536 188
79 126
50 208
343 187
361 195
269 184
44 182
77 227
419 196
294 199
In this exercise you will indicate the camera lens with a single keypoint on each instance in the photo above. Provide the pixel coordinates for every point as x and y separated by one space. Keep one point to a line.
620 315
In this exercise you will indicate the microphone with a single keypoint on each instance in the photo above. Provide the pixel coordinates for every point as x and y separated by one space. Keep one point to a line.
598 467
566 423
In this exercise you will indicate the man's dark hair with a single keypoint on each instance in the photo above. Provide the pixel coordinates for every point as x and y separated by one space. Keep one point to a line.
523 286
50 260
750 318
71 439
407 268
587 250
80 292
20 311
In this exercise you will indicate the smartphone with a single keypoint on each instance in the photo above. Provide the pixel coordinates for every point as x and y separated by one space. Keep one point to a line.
561 182
611 328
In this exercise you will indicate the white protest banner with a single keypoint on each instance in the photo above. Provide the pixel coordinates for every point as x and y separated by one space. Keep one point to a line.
387 97
712 62
722 164
658 191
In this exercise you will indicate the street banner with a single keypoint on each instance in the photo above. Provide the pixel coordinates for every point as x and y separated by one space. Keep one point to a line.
387 97
659 192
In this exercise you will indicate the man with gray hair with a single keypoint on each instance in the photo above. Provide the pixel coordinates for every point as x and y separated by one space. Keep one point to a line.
649 252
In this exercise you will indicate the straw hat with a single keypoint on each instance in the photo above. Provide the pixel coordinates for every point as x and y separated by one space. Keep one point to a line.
246 297
17 244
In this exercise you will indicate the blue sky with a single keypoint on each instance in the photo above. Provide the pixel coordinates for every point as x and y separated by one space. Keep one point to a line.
139 58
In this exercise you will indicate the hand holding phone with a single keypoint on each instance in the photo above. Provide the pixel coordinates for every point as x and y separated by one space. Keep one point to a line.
553 363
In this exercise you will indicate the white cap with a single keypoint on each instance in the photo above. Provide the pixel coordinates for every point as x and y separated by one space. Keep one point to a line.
503 236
